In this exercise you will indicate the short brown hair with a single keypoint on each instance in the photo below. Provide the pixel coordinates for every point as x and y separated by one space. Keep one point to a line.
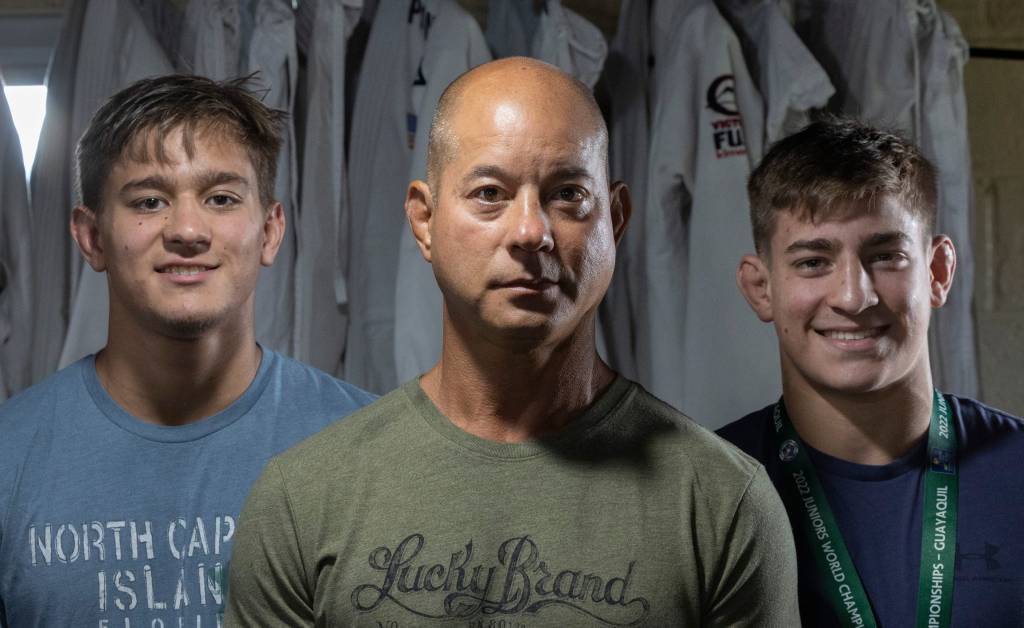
834 165
162 104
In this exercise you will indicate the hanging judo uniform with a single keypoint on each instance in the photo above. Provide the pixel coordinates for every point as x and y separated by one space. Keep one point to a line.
104 47
323 28
711 357
415 50
15 260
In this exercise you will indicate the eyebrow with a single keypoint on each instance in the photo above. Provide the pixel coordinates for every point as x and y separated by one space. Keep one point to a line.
885 238
204 181
824 245
496 172
479 172
818 244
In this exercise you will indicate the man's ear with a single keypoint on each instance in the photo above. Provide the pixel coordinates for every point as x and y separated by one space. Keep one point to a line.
752 277
274 225
86 232
419 209
622 209
941 268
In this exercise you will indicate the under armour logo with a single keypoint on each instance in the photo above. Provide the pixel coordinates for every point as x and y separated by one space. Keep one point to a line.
988 556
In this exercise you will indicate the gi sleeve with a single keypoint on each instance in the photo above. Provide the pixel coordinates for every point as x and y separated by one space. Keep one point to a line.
268 584
757 584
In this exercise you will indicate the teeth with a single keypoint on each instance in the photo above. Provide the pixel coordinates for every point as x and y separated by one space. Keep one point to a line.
853 335
184 270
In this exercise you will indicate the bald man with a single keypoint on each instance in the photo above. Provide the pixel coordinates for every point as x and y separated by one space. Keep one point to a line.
520 482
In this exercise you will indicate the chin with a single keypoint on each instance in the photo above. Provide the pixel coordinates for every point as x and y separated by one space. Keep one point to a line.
186 327
854 383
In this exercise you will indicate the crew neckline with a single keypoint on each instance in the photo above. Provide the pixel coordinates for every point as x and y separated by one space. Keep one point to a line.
178 433
604 407
913 460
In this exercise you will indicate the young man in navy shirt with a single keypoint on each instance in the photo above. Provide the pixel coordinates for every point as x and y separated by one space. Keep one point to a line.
906 503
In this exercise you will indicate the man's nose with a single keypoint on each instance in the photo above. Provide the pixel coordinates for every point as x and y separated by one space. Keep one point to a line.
531 226
186 227
853 290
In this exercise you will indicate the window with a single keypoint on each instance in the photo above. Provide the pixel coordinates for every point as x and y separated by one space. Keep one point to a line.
28 105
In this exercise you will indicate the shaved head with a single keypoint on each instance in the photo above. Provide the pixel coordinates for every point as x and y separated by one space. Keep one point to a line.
530 81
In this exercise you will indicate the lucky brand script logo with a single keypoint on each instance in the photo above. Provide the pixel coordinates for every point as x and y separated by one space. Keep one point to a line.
518 583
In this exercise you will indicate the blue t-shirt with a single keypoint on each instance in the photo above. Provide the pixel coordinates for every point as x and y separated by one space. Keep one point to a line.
879 511
108 521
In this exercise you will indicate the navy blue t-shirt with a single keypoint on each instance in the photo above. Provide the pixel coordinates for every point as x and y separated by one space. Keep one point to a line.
879 510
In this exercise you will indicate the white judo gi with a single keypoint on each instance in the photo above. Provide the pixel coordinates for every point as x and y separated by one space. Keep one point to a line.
321 301
114 49
415 50
710 357
15 260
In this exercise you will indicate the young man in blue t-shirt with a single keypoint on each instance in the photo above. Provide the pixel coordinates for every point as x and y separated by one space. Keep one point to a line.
122 476
906 503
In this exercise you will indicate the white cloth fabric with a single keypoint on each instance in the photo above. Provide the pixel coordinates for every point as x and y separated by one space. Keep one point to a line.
945 141
789 78
711 357
272 52
418 300
15 260
211 39
116 49
626 92
553 34
414 51
52 197
899 64
322 304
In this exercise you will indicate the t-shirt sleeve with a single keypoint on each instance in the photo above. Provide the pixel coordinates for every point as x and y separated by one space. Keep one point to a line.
758 584
267 585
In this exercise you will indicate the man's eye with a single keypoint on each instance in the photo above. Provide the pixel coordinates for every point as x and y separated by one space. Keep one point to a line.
489 194
149 204
221 200
814 263
886 257
569 195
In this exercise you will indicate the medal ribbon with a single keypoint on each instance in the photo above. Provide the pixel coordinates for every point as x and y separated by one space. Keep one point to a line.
938 530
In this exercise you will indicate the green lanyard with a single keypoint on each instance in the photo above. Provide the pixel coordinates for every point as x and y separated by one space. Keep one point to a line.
938 530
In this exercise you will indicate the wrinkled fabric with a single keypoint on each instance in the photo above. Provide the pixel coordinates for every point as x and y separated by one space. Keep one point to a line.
322 303
704 337
15 260
414 51
116 48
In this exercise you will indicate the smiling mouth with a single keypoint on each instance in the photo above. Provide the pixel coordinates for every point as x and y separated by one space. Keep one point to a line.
859 334
184 271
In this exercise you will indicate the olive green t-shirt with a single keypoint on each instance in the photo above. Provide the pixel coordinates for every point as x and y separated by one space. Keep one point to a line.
631 516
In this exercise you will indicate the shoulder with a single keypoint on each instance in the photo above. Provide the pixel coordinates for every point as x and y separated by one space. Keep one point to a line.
982 425
342 444
25 411
299 383
700 455
750 432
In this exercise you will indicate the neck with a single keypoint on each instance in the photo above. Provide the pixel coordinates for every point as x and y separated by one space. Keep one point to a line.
173 381
502 394
872 428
